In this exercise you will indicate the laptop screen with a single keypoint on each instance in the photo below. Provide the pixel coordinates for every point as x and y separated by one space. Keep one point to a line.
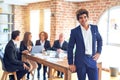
36 49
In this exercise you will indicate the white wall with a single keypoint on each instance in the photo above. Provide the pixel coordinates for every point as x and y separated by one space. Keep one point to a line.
5 8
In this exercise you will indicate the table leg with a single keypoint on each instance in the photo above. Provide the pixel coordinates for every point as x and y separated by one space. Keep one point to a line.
99 71
67 75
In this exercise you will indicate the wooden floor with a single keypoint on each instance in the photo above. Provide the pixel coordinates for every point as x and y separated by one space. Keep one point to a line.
105 75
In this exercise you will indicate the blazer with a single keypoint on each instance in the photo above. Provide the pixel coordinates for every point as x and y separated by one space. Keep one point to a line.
56 45
46 45
76 38
23 46
11 61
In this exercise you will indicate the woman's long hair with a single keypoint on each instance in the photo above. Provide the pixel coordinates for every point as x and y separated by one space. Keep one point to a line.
26 40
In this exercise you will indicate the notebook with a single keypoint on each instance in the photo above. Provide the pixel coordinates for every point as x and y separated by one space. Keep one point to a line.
36 49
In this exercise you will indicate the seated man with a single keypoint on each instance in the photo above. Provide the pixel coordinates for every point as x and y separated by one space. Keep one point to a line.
60 46
10 59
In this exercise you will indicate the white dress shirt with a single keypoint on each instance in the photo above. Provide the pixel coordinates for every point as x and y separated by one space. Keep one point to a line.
61 43
87 36
15 43
42 44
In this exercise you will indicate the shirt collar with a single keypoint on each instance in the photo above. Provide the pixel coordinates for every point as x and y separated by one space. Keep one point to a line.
84 28
42 41
14 41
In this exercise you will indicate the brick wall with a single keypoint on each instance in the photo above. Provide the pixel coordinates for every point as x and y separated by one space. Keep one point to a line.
63 18
98 7
20 17
63 14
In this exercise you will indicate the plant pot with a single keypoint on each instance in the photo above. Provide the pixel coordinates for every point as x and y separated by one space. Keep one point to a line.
113 71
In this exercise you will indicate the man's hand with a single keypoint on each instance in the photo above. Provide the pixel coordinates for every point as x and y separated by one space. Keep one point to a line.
72 68
96 56
59 50
25 66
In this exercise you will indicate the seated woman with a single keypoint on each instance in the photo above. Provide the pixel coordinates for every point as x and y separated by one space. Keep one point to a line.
43 36
25 48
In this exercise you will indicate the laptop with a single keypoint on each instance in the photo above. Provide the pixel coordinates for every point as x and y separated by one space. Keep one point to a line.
36 49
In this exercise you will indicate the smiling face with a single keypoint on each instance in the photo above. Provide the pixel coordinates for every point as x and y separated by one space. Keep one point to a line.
42 36
83 20
82 16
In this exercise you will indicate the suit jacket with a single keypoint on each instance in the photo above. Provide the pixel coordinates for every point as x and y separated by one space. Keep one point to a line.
22 48
76 38
56 45
46 45
11 61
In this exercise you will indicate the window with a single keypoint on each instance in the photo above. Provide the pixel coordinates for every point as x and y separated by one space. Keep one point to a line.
47 20
34 24
39 21
109 27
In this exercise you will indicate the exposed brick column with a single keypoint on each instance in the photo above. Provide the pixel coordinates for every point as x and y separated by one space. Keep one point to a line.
63 18
20 19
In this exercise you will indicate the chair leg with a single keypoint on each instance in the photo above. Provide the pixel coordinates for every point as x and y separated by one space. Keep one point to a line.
15 76
23 78
4 76
33 75
6 73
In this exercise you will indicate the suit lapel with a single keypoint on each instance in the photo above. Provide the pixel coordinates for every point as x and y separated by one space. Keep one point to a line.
63 44
45 45
39 42
93 36
15 49
59 45
12 43
92 31
80 34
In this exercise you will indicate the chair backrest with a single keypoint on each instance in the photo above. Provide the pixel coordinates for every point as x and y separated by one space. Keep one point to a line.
1 58
1 55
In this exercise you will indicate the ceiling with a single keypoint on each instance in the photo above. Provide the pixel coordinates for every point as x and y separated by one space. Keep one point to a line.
22 2
25 2
78 0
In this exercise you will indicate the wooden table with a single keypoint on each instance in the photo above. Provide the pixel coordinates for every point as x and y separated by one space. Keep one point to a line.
61 66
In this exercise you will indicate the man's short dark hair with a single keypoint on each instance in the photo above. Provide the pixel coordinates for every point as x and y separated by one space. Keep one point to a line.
15 34
81 12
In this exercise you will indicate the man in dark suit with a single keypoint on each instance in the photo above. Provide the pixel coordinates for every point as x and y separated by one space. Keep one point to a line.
88 43
60 46
11 61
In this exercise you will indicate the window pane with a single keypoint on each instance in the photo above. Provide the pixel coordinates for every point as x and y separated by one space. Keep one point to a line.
47 20
34 24
114 26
